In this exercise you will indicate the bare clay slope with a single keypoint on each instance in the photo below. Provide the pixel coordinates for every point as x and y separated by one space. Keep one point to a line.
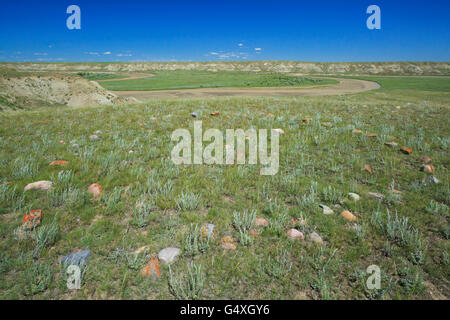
369 68
33 90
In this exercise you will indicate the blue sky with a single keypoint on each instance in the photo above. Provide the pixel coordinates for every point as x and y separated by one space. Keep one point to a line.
217 30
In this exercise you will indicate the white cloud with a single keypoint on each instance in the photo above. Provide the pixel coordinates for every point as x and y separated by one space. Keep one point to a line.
213 53
107 52
41 54
124 55
92 53
258 49
240 44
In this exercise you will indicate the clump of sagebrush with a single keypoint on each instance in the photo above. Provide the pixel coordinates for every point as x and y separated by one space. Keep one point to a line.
37 278
142 210
244 221
191 287
195 241
188 201
402 233
112 200
277 266
45 236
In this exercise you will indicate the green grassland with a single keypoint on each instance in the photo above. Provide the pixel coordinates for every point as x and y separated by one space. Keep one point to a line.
149 201
167 80
99 76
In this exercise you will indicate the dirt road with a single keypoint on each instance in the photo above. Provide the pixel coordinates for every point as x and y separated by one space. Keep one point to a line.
345 86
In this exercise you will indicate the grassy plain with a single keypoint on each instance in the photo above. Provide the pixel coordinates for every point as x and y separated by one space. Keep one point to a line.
149 201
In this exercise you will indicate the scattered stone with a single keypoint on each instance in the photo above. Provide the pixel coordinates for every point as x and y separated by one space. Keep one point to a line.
306 120
327 124
347 215
376 196
40 185
168 255
397 191
354 196
76 258
261 222
94 137
215 113
140 250
356 131
128 120
280 131
368 168
194 115
427 168
391 144
406 150
270 115
61 142
426 160
32 220
295 234
253 233
98 132
371 135
434 180
152 269
95 189
315 238
228 243
326 210
208 230
59 163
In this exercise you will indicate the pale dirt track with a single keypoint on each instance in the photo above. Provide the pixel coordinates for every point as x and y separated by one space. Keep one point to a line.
132 76
345 86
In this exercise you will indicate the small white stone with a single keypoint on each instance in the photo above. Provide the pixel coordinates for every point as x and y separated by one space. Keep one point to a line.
354 196
326 210
316 238
94 137
295 234
168 255
41 185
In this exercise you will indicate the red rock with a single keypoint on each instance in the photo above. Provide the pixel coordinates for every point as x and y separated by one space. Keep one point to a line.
406 150
215 113
294 234
261 222
59 163
253 233
95 189
427 168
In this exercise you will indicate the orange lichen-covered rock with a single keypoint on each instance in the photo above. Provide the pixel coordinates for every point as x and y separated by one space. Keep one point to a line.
228 243
368 168
95 189
152 269
253 233
59 163
428 168
406 150
261 222
371 135
32 220
215 113
347 215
